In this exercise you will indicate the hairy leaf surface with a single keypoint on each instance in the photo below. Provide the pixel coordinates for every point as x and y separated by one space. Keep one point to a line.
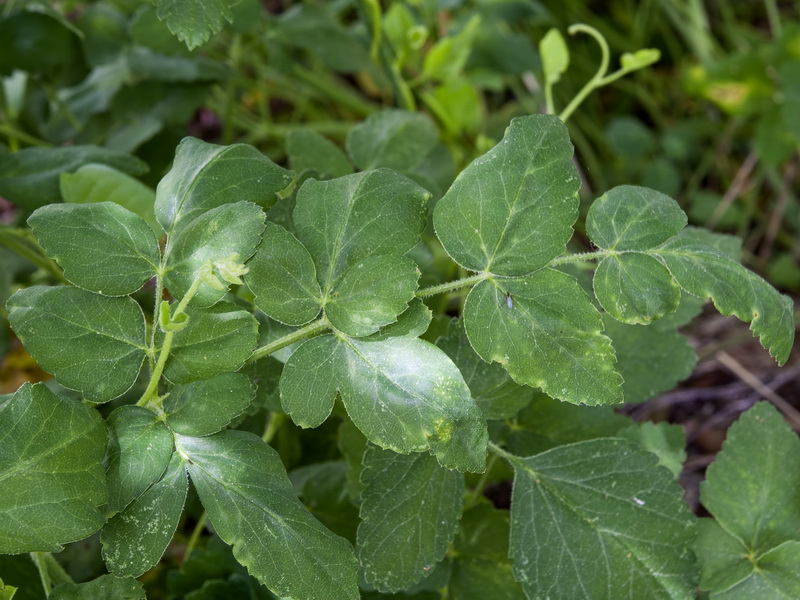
549 336
410 508
135 539
404 394
51 450
91 343
599 520
102 247
139 449
511 211
253 507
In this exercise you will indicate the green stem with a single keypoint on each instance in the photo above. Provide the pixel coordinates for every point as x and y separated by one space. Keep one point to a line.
308 331
581 257
195 537
774 18
594 82
22 243
502 453
44 575
450 286
166 346
482 482
57 573
17 134
276 419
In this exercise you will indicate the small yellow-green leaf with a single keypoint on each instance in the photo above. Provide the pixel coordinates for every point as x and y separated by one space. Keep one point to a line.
639 59
554 54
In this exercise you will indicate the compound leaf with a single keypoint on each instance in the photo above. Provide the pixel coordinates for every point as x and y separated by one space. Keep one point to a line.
283 278
227 231
346 220
102 247
707 272
413 322
51 453
253 507
204 407
546 332
600 520
497 395
410 508
403 393
135 539
215 340
205 176
139 449
510 212
91 343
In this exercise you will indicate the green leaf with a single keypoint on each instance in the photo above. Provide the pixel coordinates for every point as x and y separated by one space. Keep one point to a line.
404 394
346 221
708 273
30 178
732 574
194 21
107 587
216 340
204 407
308 150
322 488
551 337
410 508
91 343
639 59
449 55
140 446
205 176
482 568
94 183
135 539
406 142
411 323
641 347
251 503
667 441
533 187
283 278
748 487
599 517
51 450
497 395
633 218
102 247
555 55
372 294
635 288
230 231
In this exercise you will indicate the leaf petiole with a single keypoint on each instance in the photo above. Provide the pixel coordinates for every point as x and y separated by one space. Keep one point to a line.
310 330
450 286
